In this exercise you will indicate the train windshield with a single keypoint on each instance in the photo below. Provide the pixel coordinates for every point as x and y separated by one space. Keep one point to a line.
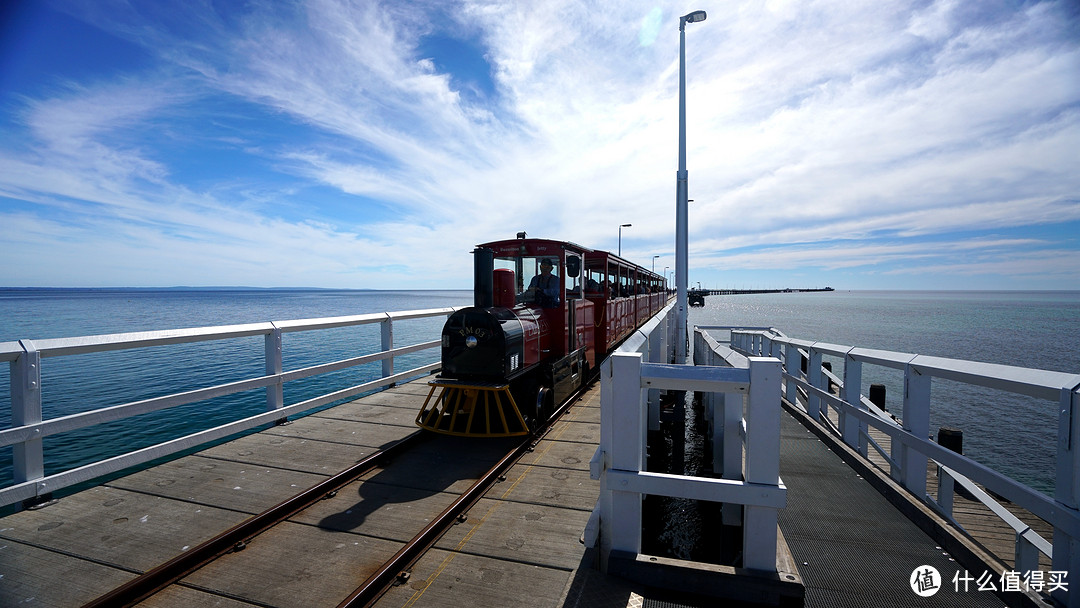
537 279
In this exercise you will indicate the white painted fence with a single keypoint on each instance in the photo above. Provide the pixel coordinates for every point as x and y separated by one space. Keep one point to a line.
28 428
627 379
910 444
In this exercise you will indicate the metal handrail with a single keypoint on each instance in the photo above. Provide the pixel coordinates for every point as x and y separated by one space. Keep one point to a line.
28 428
911 448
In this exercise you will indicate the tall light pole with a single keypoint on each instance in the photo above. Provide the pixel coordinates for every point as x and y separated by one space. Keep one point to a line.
681 203
621 226
654 262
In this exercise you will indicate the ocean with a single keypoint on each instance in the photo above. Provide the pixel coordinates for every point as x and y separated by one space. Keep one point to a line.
1027 329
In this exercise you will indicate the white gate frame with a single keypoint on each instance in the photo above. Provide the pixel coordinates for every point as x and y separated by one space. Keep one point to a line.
626 380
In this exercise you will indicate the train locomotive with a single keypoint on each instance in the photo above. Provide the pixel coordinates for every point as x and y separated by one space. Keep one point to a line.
544 314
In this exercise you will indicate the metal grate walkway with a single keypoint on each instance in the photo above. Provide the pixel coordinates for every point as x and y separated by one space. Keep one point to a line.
853 548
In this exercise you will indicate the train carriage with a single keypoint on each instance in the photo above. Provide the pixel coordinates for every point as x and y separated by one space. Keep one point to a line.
545 313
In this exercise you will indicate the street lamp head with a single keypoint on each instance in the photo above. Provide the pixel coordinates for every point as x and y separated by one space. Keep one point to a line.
625 225
693 17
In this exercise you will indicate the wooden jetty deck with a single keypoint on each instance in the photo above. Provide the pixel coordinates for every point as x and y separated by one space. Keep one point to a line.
520 546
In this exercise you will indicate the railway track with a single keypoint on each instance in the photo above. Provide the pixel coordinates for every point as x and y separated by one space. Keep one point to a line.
239 537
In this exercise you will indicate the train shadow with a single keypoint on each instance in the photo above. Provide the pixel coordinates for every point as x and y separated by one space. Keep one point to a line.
411 490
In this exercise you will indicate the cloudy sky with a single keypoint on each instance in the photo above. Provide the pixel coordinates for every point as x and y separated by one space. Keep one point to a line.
364 144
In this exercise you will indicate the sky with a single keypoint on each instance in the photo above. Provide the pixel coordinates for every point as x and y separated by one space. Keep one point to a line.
860 145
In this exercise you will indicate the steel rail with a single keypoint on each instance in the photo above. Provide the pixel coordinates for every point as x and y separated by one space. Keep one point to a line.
237 537
378 583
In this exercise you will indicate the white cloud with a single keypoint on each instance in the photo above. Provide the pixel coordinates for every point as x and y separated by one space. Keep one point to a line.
810 122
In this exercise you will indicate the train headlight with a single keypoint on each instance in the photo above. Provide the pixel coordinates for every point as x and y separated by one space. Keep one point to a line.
471 341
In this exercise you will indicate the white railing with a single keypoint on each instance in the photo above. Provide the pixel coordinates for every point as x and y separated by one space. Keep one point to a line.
28 429
910 446
627 378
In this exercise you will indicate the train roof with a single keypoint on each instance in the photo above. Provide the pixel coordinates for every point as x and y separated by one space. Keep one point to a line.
549 246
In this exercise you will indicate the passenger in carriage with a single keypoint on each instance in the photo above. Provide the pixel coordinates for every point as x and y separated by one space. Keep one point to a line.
544 287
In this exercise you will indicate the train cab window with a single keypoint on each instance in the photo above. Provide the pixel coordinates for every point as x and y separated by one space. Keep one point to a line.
573 278
536 279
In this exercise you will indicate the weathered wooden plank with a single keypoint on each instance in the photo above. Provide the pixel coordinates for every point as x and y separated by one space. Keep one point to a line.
295 565
564 454
443 464
295 453
418 386
568 488
220 483
527 533
580 412
583 432
178 596
114 526
441 579
33 576
322 428
384 511
360 411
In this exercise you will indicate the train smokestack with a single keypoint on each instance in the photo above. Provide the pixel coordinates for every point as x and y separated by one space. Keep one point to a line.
483 281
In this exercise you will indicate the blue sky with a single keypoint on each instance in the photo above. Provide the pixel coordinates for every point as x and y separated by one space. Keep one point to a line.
861 145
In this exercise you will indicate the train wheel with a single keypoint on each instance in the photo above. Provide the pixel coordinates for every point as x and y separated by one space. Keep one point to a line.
545 405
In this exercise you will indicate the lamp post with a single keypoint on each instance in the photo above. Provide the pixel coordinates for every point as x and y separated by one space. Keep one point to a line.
654 262
681 196
621 226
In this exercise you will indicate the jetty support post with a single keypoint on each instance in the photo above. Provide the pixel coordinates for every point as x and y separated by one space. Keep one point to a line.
1066 556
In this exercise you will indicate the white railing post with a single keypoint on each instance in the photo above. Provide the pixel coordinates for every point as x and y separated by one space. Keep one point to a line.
793 362
946 492
762 461
916 415
621 408
814 404
1066 554
387 327
656 354
29 458
730 445
853 429
275 393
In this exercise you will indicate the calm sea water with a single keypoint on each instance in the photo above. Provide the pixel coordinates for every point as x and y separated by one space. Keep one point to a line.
1029 329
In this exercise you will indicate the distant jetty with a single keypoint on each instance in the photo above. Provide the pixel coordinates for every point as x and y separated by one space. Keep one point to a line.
696 297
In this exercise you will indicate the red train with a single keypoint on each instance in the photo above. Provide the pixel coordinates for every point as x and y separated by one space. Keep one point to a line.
545 313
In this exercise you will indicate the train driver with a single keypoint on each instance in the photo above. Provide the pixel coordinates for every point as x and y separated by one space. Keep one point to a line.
544 287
